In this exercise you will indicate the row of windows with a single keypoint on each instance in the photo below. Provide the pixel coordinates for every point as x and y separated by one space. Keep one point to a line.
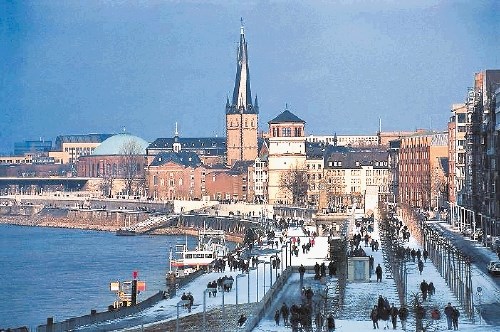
237 124
287 132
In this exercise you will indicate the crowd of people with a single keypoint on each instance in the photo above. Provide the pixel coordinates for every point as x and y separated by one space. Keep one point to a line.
383 311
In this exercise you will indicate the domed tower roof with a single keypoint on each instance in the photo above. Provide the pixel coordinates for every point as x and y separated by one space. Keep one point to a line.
115 145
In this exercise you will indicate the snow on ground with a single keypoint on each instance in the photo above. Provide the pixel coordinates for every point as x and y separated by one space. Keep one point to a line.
359 297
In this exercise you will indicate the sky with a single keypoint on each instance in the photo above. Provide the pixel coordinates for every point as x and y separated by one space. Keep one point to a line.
77 67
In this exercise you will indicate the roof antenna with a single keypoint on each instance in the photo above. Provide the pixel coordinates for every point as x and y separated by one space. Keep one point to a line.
242 29
286 106
123 129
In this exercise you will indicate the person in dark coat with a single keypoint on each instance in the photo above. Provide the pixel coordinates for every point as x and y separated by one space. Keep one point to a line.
431 289
425 254
316 271
420 266
330 323
277 317
374 317
454 317
285 312
403 316
378 272
331 269
242 320
419 316
302 270
448 311
394 316
323 269
424 287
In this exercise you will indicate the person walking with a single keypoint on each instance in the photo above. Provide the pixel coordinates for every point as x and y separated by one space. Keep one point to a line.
431 289
302 270
448 311
277 317
424 287
330 323
420 266
318 321
394 316
454 317
403 315
374 317
378 272
285 312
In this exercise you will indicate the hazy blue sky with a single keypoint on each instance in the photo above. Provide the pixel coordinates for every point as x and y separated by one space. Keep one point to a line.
75 67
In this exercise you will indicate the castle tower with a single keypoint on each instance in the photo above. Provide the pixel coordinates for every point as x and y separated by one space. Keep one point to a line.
241 114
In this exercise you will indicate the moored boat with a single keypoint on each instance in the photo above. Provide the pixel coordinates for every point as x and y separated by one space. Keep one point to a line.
211 246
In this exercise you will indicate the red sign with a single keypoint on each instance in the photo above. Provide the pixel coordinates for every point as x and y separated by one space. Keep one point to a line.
135 274
141 286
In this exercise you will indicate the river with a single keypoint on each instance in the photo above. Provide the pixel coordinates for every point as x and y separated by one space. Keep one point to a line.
63 273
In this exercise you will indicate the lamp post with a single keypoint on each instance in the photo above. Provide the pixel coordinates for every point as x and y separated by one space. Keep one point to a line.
237 277
248 286
270 271
181 302
264 274
205 308
223 311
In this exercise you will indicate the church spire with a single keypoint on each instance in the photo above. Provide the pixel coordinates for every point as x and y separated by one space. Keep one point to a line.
242 96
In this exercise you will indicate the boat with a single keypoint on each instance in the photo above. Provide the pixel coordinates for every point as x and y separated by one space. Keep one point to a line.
211 246
125 232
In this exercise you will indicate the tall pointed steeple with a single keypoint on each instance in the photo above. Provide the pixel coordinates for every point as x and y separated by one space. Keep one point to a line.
242 117
242 95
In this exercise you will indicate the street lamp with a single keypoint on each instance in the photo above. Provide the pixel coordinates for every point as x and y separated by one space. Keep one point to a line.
264 275
181 302
238 276
223 311
270 271
207 290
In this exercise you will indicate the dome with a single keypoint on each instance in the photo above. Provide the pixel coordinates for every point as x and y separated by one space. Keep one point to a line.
116 144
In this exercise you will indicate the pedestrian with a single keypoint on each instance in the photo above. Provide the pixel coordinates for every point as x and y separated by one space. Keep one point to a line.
424 287
330 323
331 269
302 270
431 289
420 266
454 317
403 315
394 316
448 311
242 320
277 317
425 254
378 272
285 312
323 270
419 316
374 317
316 271
318 321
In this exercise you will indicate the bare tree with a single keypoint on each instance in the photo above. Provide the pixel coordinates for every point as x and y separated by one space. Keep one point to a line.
294 182
108 177
439 184
131 162
332 191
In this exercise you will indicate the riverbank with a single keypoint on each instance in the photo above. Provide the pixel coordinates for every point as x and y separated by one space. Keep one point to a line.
89 225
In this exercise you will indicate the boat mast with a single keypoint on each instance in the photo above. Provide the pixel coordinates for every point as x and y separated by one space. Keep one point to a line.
170 259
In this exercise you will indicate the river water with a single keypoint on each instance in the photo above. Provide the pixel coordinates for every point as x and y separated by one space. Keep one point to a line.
63 273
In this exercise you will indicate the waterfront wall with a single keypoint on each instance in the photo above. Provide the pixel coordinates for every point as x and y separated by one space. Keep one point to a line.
97 317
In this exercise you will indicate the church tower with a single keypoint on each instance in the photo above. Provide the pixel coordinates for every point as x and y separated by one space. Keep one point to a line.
241 113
